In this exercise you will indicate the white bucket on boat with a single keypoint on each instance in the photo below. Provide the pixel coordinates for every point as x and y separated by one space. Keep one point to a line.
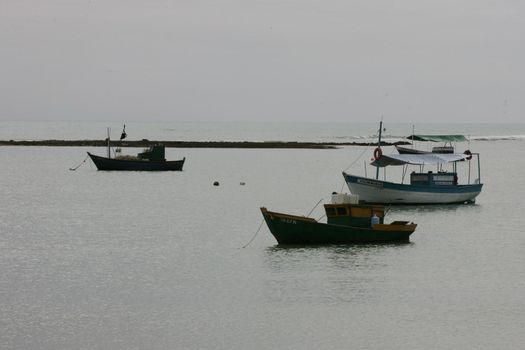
345 198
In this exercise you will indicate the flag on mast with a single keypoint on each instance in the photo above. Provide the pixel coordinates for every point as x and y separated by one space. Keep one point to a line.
123 135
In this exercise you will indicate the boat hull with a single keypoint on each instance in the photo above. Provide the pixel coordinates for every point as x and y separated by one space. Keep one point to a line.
405 150
439 149
384 192
103 163
289 229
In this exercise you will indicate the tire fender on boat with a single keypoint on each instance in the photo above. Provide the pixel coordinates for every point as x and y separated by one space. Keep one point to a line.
377 153
468 154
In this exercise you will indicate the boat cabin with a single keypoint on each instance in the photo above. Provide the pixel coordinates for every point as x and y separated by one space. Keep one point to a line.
434 179
154 153
359 215
448 149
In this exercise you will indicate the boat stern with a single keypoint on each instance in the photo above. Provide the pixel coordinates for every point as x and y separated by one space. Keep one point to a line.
398 230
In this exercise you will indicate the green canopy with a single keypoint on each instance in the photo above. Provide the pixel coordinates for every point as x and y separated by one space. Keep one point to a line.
438 138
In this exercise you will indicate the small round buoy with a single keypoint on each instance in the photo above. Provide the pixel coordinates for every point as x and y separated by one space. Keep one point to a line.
242 183
216 183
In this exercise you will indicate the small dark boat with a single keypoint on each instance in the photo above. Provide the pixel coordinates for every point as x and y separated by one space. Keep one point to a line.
346 223
151 159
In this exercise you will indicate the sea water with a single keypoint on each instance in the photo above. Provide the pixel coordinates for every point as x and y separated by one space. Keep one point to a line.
250 131
133 260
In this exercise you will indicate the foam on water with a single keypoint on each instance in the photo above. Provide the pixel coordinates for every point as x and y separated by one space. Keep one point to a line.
251 131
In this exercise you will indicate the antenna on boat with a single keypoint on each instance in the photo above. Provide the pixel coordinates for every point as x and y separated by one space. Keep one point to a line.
413 133
109 150
320 200
379 145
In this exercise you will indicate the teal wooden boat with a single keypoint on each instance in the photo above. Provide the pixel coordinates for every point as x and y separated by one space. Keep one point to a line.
346 224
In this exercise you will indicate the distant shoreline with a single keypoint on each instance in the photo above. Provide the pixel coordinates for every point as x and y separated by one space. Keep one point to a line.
194 144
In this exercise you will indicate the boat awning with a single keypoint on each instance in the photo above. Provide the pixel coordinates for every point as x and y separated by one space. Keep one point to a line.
418 159
438 138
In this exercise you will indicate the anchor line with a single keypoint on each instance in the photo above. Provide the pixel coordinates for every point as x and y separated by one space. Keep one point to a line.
78 166
255 235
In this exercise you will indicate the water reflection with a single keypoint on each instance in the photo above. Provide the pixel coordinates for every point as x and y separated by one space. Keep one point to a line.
432 208
281 257
330 274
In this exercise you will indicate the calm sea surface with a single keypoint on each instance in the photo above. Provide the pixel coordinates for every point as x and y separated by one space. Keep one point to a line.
250 131
110 260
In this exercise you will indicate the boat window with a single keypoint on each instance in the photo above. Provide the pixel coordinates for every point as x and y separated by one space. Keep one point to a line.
330 211
419 179
445 179
341 211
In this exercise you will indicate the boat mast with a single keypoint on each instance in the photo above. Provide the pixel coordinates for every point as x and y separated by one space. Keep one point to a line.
109 150
413 133
379 146
479 169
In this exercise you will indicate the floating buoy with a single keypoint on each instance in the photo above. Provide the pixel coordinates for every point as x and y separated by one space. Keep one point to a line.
242 183
216 183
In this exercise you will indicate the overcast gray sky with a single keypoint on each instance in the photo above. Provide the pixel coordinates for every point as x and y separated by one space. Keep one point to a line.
295 60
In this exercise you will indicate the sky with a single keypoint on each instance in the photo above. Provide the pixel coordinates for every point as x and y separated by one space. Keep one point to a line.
256 60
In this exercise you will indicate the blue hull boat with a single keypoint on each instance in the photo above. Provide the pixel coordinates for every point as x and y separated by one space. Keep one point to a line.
440 186
433 192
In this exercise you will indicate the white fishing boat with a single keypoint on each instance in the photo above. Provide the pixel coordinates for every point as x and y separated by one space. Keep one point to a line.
437 186
447 140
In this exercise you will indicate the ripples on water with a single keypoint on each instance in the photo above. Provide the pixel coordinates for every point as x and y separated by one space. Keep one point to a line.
105 260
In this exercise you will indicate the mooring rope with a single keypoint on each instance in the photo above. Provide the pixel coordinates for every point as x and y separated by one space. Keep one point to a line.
255 235
364 150
342 186
78 166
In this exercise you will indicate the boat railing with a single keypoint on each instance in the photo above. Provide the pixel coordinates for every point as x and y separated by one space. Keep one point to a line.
441 169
